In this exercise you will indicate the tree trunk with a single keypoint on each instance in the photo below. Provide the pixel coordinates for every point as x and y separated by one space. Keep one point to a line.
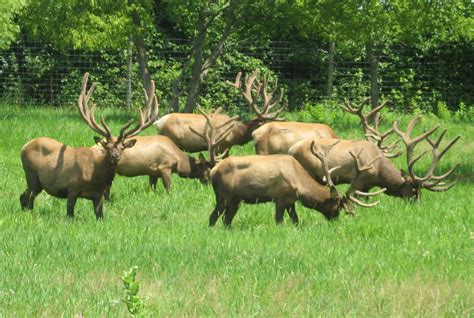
374 74
129 72
142 56
332 52
195 81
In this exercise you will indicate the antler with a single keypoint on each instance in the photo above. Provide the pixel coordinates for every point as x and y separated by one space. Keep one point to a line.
374 132
88 115
359 170
147 117
252 90
214 133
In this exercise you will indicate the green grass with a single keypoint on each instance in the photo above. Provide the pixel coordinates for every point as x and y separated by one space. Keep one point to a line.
397 259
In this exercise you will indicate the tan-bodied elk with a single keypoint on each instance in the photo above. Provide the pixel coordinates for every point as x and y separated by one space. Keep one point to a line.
383 173
158 156
176 125
67 172
282 180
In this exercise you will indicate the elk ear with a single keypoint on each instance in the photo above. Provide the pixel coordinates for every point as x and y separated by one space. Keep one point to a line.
99 141
129 143
201 157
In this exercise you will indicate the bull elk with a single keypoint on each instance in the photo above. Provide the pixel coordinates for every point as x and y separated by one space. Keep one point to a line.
176 125
159 157
373 133
280 179
72 173
383 173
278 137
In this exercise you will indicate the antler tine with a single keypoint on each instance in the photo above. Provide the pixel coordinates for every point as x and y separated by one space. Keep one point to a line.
437 155
86 114
322 156
147 117
236 82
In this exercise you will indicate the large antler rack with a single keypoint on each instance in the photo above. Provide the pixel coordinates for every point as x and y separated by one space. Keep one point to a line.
147 117
88 115
348 197
373 133
253 91
428 181
214 133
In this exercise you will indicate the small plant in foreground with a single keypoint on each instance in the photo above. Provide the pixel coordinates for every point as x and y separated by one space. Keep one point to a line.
134 303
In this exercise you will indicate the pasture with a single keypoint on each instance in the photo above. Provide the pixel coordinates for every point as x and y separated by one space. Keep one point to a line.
397 259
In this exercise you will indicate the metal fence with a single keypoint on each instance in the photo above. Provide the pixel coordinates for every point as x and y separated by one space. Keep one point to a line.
38 73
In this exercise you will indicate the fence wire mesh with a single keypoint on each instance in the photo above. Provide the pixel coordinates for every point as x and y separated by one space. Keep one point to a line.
35 72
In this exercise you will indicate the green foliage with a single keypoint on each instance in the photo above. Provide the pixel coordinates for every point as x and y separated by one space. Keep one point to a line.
135 304
9 27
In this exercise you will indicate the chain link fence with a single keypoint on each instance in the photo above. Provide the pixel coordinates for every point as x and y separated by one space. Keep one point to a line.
34 72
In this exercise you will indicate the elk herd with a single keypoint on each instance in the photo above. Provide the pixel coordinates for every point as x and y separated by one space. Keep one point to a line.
294 161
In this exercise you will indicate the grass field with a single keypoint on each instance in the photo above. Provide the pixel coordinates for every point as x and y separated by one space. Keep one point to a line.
397 259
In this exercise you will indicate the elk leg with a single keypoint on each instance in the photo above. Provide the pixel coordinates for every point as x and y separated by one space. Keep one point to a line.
71 203
98 208
230 213
27 199
292 213
279 211
107 193
166 178
153 181
220 207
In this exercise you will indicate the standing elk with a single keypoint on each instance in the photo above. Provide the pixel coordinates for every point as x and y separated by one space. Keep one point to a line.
72 173
383 173
158 156
177 126
280 179
373 133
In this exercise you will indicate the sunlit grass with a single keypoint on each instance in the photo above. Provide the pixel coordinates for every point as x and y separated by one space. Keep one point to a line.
396 259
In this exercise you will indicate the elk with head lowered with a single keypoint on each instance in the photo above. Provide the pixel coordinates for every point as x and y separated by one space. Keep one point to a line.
383 173
72 173
158 156
280 179
177 126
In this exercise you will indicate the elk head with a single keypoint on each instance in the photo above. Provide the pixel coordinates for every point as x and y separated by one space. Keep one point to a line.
373 133
114 146
413 184
254 91
344 201
214 133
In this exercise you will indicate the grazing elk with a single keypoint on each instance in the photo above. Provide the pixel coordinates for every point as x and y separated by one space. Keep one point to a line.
72 173
278 137
176 125
383 173
280 179
158 156
373 133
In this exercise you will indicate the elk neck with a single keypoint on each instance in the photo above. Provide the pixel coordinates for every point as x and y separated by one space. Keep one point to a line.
391 179
187 166
243 130
313 195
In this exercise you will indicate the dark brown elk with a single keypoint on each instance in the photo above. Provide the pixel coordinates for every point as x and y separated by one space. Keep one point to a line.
72 173
278 137
383 173
159 157
176 125
373 133
280 179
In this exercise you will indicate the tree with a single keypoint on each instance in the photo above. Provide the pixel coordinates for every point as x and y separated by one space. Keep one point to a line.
8 24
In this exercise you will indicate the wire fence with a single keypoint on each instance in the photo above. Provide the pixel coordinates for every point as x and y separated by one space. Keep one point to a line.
35 72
